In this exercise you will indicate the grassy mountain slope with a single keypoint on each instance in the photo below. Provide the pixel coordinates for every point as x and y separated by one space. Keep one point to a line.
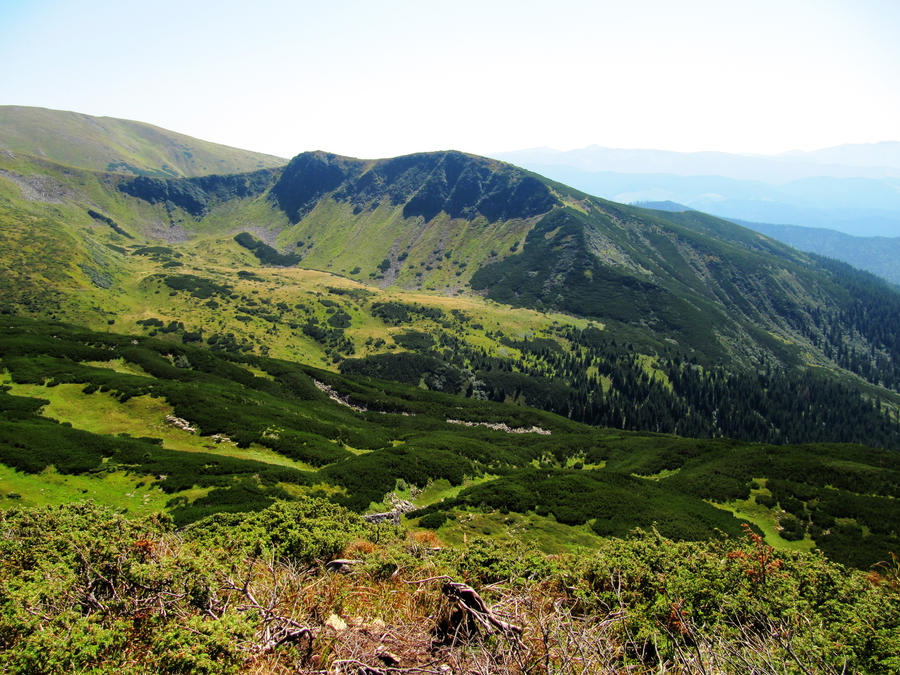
110 144
150 423
216 256
697 316
432 221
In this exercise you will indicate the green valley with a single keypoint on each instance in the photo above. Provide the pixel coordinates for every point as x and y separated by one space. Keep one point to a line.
437 367
446 272
231 431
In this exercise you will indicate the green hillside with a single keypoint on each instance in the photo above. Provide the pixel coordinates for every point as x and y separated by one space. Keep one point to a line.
677 323
451 223
145 423
460 275
124 146
654 442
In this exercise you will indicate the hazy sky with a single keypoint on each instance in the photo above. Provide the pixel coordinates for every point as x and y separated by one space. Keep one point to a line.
381 78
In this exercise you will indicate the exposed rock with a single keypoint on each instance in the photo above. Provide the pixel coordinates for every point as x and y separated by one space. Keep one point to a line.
341 565
180 423
337 398
399 507
392 516
38 188
336 622
500 426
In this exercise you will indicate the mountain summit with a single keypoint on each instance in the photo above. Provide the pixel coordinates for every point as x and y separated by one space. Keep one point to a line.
84 244
425 185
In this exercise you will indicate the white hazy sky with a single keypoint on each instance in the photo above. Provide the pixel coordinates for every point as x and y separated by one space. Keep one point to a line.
386 77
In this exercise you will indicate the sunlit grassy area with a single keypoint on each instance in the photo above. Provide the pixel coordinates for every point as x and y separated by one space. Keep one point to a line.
541 532
102 413
119 489
766 520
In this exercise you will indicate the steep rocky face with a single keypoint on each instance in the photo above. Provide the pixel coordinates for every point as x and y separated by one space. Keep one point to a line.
196 195
310 176
426 184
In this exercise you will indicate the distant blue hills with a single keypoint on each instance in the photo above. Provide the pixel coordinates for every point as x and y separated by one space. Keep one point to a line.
841 202
860 196
878 255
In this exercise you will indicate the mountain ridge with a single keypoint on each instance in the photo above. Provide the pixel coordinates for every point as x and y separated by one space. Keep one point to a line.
112 144
428 213
222 258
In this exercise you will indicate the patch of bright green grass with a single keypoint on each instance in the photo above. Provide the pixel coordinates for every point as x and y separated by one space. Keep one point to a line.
542 532
765 519
119 489
587 466
442 489
120 366
102 413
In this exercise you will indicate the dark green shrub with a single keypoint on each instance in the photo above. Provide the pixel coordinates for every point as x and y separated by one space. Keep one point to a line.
766 500
791 527
265 253
434 520
301 531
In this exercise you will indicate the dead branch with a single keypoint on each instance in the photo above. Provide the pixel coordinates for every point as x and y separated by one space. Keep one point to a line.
277 629
341 565
470 602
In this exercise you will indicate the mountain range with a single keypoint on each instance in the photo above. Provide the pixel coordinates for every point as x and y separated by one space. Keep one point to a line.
448 223
453 293
854 189
877 255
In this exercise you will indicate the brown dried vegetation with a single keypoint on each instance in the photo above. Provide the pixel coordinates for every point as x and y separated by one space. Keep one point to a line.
83 589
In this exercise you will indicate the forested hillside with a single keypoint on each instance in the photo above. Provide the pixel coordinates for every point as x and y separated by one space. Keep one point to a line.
198 432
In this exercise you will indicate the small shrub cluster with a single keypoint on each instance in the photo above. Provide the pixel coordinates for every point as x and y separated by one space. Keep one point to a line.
109 221
395 313
265 253
198 287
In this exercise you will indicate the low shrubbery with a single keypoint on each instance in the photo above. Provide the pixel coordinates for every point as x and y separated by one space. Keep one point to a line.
395 313
265 253
87 589
374 432
613 504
